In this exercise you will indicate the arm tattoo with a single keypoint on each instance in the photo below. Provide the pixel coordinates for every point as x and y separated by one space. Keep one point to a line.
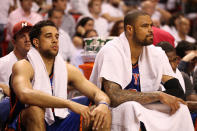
119 96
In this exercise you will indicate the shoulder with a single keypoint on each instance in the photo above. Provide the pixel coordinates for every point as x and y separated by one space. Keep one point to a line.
68 17
36 15
23 66
73 72
14 13
7 60
190 39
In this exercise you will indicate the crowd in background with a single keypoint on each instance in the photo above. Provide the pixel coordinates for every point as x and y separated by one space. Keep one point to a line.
178 17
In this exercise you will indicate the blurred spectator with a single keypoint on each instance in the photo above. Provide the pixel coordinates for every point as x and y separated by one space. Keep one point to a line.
150 8
43 7
160 35
100 24
66 47
83 25
188 54
79 6
77 59
157 14
91 33
183 28
183 78
171 26
112 11
22 45
20 14
6 7
67 18
132 4
117 28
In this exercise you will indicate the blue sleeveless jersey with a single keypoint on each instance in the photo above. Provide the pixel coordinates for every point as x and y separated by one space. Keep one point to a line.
135 82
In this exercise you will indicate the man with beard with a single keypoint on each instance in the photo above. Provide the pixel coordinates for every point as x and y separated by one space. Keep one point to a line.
39 89
130 69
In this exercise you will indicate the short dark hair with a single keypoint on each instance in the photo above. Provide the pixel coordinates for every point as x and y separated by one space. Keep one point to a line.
51 11
131 17
54 1
184 46
166 46
83 21
36 29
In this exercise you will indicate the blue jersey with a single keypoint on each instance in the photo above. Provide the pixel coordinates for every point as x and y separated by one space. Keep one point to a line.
135 83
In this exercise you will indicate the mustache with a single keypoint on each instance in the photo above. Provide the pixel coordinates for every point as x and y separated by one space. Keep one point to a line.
149 35
26 42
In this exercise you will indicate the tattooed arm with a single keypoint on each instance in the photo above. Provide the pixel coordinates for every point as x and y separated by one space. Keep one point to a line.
119 96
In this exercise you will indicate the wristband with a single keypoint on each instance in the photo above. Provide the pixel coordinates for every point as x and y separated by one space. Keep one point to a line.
103 103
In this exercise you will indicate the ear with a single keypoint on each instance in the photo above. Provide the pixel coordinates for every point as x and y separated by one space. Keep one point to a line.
129 29
13 42
36 42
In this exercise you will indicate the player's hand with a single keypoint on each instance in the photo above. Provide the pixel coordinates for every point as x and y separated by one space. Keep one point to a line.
171 101
84 111
99 116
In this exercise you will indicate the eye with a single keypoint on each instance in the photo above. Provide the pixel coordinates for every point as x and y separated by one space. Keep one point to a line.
57 36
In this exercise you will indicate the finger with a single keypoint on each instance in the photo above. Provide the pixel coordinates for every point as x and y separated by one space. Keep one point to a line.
173 109
84 119
95 122
104 121
100 121
182 101
87 119
176 105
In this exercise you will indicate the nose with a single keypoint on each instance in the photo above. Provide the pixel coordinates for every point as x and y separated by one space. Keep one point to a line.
54 39
27 37
150 29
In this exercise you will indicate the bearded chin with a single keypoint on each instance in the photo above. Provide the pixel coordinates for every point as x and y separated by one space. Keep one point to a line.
145 42
49 55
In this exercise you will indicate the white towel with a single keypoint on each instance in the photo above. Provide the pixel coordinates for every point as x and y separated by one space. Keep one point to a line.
180 78
42 82
131 113
6 64
113 62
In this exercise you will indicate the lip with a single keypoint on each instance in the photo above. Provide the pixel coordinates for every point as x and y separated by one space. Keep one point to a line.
150 36
55 47
27 44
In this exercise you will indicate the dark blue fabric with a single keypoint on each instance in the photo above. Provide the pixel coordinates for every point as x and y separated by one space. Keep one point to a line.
194 116
4 109
70 123
135 82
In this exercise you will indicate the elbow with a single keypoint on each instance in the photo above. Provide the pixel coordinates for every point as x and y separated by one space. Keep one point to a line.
114 102
23 97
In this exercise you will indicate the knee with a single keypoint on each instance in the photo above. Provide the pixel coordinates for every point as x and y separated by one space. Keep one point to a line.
33 114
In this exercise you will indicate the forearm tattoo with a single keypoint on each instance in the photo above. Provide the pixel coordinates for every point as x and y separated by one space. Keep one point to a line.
119 96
